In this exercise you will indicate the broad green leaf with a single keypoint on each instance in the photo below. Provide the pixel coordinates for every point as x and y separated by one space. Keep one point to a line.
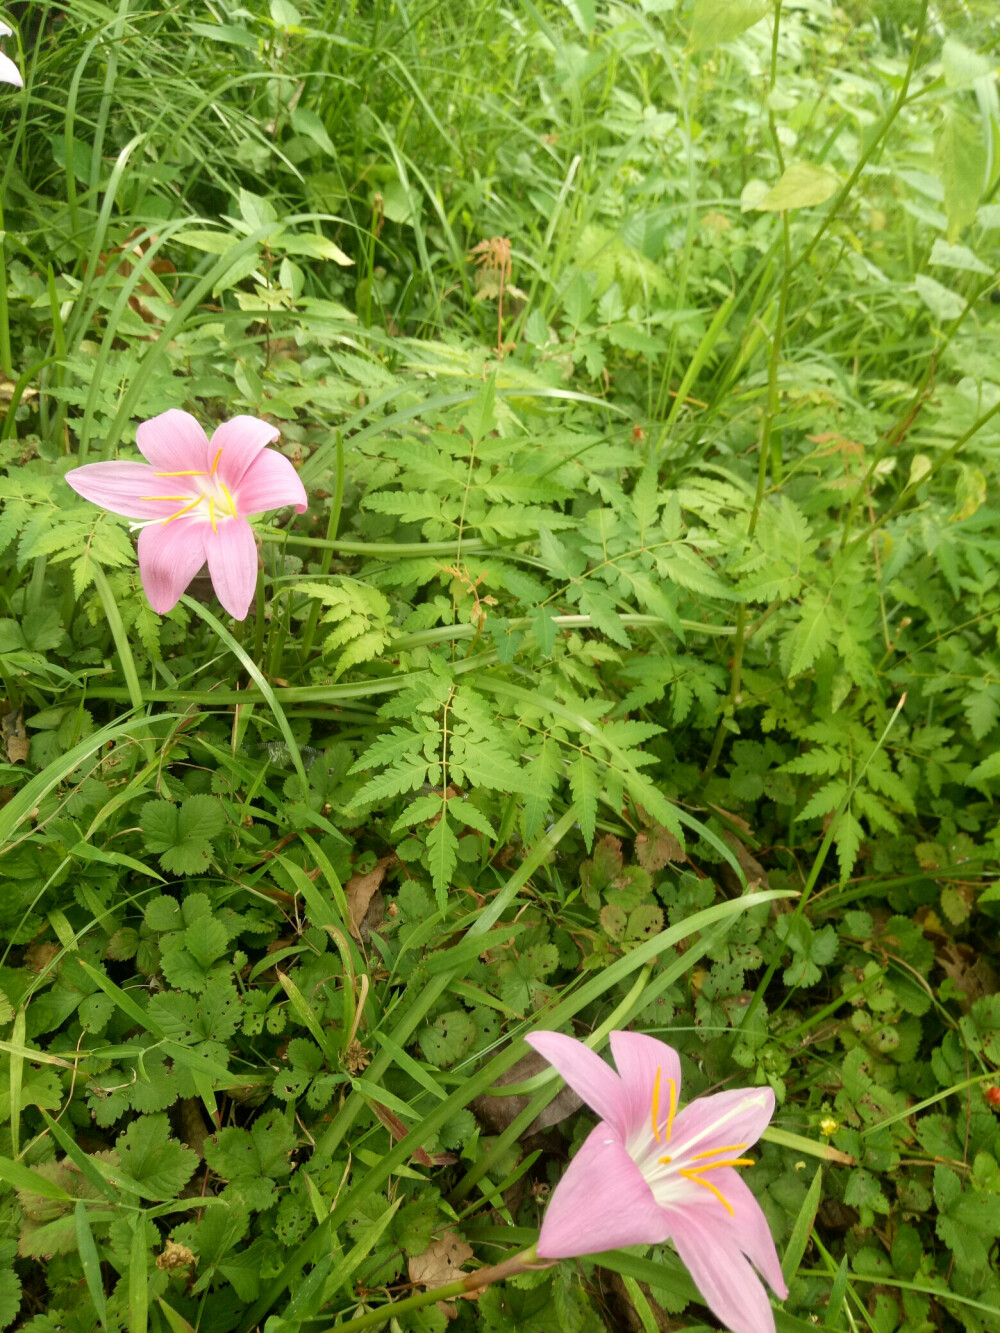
943 303
308 122
960 155
583 13
211 242
962 66
801 186
957 256
717 21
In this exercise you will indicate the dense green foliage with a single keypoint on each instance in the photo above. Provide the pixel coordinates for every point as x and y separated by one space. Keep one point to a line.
636 661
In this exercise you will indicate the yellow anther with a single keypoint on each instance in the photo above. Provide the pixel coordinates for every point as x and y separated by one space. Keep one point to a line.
215 461
229 499
181 512
164 497
673 1108
211 513
665 1160
654 1112
191 472
697 1180
714 1152
735 1161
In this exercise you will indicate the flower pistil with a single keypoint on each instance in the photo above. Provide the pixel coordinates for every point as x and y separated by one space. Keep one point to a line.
706 1160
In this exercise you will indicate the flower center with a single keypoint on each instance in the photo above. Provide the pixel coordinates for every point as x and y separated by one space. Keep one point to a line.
210 490
690 1166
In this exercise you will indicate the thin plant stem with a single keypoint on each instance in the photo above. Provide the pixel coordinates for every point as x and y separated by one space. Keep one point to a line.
763 457
117 628
327 549
525 1262
844 192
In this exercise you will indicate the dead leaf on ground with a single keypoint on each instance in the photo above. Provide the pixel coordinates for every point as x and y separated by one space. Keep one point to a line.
191 1124
756 875
360 890
40 954
656 846
440 1264
399 1131
15 738
495 1114
968 968
7 388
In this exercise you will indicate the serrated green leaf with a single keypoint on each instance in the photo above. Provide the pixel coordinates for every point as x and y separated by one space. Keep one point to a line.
153 1160
585 784
442 857
448 1037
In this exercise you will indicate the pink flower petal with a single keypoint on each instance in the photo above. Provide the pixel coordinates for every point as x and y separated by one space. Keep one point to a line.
9 72
170 554
601 1203
240 440
640 1059
732 1290
738 1116
749 1229
270 482
586 1073
231 553
174 442
121 486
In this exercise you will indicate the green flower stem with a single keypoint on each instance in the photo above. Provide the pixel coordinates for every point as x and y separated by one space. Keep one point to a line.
258 620
873 143
524 1262
328 547
262 685
134 689
384 550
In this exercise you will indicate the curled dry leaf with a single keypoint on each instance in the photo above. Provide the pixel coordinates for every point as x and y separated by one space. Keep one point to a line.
440 1264
15 738
656 846
756 875
360 890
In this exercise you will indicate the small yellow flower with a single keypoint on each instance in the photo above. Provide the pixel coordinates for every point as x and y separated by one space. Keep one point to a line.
828 1126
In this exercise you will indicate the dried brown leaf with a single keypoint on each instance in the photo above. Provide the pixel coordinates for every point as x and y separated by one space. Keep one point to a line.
361 889
657 846
15 738
440 1264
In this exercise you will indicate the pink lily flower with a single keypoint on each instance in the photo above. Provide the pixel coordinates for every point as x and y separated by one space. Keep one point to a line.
9 72
194 495
651 1172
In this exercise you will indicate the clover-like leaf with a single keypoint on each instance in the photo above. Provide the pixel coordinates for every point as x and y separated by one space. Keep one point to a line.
158 1164
448 1037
